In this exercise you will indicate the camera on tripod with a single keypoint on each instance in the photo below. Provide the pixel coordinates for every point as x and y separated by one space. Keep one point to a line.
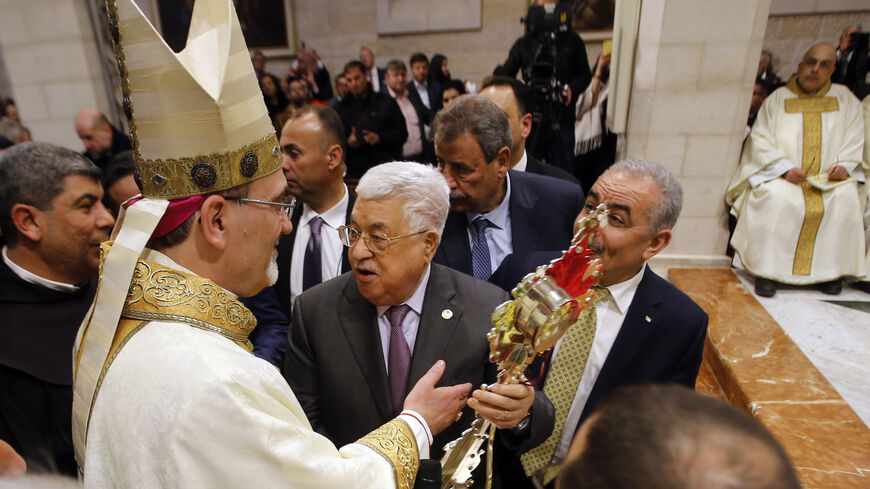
544 23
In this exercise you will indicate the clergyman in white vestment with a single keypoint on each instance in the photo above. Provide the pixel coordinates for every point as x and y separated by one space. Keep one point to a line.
799 191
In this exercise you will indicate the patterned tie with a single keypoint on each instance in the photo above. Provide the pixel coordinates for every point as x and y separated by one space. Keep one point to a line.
561 384
400 356
311 265
480 262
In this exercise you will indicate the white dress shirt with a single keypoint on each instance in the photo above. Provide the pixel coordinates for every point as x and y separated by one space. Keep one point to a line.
411 323
521 165
330 244
498 235
35 279
423 90
374 78
610 313
414 144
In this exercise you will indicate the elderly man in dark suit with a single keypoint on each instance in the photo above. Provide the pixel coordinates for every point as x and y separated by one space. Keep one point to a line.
360 341
643 328
495 212
312 142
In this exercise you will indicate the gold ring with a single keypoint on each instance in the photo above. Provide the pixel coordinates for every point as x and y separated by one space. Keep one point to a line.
504 415
458 415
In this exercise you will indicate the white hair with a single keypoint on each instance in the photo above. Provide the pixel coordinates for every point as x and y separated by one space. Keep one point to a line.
422 188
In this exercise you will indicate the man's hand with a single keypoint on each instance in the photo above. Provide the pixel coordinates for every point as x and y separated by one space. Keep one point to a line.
11 464
371 137
353 141
837 173
504 405
796 176
437 405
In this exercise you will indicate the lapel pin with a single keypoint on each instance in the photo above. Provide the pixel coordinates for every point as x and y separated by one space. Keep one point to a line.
647 319
446 314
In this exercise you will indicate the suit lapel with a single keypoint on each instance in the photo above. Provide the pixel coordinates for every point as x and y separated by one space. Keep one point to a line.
358 319
640 320
435 329
524 215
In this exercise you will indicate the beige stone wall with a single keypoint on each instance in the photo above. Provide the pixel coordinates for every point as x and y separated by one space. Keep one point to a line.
338 28
788 37
690 96
53 65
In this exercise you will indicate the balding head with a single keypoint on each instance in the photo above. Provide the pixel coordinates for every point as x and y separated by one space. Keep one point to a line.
816 67
680 440
95 132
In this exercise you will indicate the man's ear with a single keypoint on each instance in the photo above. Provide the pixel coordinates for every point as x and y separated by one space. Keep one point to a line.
526 122
335 155
29 221
657 243
430 245
503 160
213 221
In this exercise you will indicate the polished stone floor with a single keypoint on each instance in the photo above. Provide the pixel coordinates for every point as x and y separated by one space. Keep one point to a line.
834 337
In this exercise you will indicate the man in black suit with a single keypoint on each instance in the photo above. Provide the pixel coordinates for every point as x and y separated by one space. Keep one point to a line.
373 73
373 123
514 98
646 329
495 212
312 142
428 92
360 341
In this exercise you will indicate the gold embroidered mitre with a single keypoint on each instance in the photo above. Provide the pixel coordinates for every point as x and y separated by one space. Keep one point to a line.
198 118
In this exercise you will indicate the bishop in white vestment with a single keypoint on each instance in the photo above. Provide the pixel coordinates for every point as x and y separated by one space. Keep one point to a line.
799 191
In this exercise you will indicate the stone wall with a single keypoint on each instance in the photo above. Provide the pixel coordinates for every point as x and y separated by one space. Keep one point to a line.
53 65
338 28
694 67
788 37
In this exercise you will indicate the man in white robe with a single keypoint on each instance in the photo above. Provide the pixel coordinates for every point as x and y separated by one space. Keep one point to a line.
798 194
167 393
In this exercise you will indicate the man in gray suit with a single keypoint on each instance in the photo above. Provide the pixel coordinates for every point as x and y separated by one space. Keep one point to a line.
360 341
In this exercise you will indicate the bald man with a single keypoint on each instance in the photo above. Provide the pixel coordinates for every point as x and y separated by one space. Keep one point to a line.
799 190
102 141
680 440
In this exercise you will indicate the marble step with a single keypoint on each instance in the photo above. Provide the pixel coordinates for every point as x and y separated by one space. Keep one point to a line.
750 362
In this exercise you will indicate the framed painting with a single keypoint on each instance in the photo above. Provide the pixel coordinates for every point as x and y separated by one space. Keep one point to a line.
593 19
268 25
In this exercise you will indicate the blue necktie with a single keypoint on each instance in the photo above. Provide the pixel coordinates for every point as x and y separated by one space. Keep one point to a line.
311 265
480 262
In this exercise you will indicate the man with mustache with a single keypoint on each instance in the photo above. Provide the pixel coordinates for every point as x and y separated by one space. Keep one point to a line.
495 211
52 220
799 193
642 328
360 341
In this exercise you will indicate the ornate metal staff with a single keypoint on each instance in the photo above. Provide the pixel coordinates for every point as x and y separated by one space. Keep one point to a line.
546 303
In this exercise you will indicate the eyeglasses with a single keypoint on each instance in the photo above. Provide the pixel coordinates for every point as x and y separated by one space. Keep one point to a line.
286 207
375 243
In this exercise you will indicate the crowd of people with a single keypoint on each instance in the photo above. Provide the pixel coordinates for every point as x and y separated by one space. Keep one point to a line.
300 293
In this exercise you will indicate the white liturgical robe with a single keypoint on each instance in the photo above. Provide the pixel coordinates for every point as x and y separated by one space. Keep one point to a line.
180 406
798 234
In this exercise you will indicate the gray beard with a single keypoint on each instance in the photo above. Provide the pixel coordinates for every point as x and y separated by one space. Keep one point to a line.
272 271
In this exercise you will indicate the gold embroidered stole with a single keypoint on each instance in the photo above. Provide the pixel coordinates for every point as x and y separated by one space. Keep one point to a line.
160 293
396 443
812 107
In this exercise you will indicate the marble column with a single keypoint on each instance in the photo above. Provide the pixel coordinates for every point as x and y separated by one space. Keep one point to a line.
695 66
